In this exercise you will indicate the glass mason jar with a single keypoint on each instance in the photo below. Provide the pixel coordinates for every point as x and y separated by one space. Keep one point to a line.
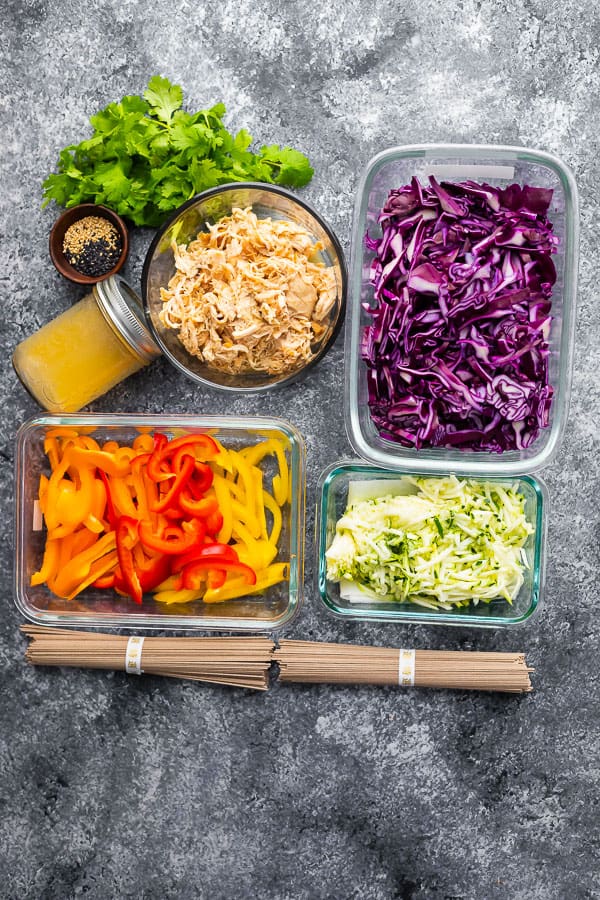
86 350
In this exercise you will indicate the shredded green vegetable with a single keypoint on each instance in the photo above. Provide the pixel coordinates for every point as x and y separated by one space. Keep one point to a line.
452 543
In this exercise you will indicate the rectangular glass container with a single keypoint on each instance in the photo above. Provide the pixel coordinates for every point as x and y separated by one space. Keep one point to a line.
498 166
268 611
333 492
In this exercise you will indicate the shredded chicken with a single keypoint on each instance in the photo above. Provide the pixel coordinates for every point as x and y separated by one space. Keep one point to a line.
249 294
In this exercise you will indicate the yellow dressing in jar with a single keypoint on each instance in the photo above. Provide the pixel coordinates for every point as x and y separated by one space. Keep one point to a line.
86 350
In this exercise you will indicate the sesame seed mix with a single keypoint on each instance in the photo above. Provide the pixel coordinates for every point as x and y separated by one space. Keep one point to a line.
92 246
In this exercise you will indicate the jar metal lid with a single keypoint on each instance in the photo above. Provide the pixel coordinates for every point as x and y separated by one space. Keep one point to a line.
123 310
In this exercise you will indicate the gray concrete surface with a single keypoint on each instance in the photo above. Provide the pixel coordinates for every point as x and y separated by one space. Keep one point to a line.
143 788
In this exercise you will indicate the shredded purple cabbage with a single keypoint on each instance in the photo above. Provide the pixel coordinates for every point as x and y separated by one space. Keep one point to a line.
457 352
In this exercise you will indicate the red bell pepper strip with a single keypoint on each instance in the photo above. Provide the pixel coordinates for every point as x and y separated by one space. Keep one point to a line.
202 508
204 444
216 553
213 523
181 479
154 468
173 539
127 536
105 581
203 474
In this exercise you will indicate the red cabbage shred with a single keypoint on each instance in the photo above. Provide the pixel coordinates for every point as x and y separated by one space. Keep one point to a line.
457 351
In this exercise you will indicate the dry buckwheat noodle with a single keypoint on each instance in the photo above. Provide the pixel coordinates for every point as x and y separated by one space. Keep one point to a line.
305 661
236 661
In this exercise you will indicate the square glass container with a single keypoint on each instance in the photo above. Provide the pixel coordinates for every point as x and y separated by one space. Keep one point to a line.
270 610
499 166
333 491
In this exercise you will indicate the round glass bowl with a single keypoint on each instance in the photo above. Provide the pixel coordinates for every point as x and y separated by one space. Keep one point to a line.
206 209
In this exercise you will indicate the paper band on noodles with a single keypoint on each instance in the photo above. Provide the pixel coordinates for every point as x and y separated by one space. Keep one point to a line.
406 667
133 656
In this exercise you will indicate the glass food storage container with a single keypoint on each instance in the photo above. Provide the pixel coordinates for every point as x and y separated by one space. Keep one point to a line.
273 608
333 491
498 166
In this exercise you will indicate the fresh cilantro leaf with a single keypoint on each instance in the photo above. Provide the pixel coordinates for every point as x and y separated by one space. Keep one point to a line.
289 166
147 155
164 98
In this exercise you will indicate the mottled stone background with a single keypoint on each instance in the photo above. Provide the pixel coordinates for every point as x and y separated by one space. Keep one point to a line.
141 788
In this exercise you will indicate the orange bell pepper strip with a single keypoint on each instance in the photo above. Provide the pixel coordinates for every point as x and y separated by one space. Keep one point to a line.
49 566
97 570
114 465
78 568
143 443
43 492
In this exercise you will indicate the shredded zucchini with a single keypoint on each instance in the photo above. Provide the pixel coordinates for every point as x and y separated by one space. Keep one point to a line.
450 543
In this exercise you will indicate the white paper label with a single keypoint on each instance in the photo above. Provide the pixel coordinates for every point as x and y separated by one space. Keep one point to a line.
406 668
133 656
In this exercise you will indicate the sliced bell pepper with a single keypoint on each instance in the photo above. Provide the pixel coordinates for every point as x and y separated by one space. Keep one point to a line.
181 479
154 468
213 524
196 572
173 539
49 563
201 508
108 462
238 587
127 536
110 507
213 552
205 447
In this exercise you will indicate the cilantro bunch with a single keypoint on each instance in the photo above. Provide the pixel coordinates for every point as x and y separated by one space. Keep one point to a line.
147 156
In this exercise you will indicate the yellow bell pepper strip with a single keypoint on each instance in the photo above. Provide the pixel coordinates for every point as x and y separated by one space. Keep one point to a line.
281 482
275 511
110 446
260 505
231 590
49 563
259 555
243 469
223 495
170 596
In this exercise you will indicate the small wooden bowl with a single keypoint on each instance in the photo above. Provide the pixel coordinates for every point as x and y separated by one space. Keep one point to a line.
57 236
